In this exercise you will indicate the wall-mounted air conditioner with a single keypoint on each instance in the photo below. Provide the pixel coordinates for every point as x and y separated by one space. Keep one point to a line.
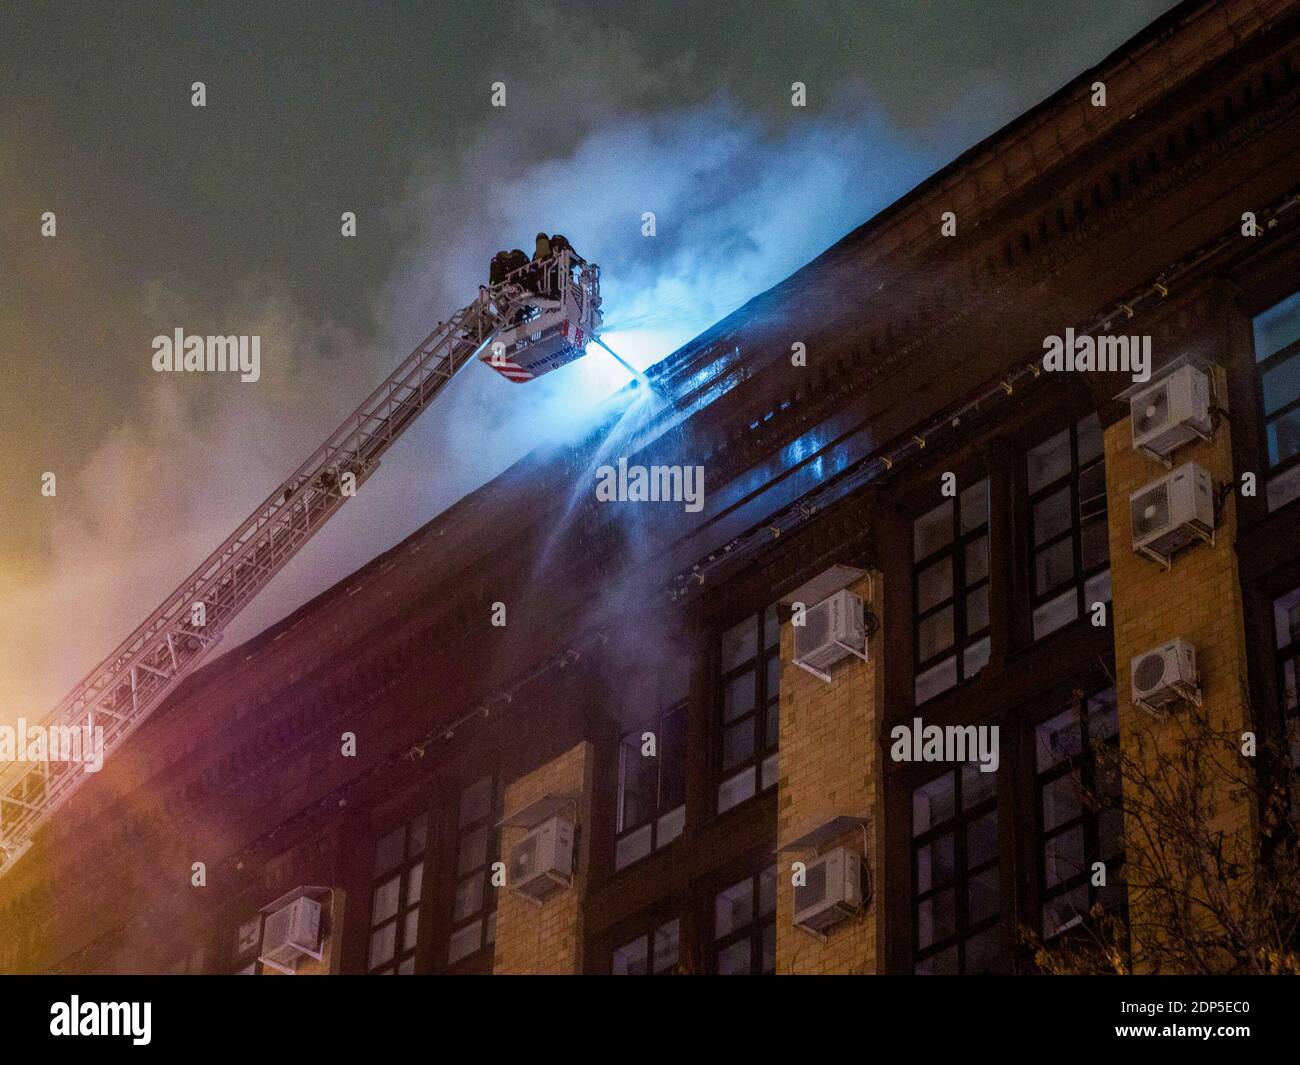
1164 677
1170 513
832 891
292 933
542 862
832 630
1171 412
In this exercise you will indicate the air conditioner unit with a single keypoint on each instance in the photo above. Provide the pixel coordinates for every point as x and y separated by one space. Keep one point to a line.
542 862
292 932
1173 512
833 629
1164 677
832 892
1174 411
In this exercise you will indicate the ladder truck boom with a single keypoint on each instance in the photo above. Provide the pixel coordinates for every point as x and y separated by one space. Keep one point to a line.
533 321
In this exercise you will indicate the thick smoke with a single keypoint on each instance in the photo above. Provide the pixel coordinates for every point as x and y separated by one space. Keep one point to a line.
739 201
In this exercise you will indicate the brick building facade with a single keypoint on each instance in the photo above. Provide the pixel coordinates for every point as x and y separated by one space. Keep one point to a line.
386 743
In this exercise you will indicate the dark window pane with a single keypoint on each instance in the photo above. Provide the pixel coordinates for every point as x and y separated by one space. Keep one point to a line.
976 785
667 938
736 960
1286 619
932 530
419 829
738 743
933 803
1058 739
1052 516
935 633
771 627
975 506
772 726
982 896
1277 327
1092 490
1063 856
934 584
1049 460
738 700
473 850
734 908
1061 801
975 657
1054 566
936 679
984 952
1094 537
672 759
1103 716
1284 436
935 864
390 851
385 900
1281 384
638 783
982 840
1065 911
936 919
632 959
739 643
1088 433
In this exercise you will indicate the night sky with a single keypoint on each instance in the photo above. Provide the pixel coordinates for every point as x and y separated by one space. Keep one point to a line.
226 219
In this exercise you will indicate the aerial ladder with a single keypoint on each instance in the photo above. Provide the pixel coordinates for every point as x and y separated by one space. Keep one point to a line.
536 319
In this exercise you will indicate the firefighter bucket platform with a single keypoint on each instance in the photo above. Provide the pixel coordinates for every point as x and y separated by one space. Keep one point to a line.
552 307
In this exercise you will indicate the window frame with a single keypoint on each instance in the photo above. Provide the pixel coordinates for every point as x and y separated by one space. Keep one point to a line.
651 938
655 817
408 902
754 930
956 825
1081 575
960 592
485 913
1084 762
1287 653
766 702
1288 468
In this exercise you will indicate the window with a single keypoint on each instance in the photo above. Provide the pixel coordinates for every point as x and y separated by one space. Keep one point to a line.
1067 525
956 895
652 954
744 926
651 788
1277 360
1286 638
473 913
950 579
248 938
397 881
751 673
1079 817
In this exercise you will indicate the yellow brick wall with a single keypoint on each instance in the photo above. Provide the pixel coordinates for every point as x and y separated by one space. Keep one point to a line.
830 766
1199 600
546 939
